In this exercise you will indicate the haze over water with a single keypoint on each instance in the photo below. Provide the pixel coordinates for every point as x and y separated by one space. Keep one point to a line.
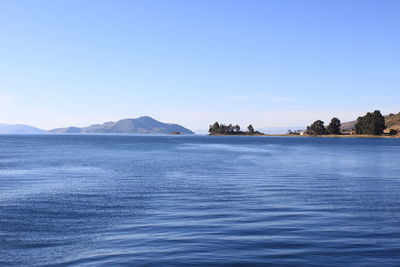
99 200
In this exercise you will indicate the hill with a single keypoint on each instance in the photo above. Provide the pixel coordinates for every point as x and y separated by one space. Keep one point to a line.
142 125
19 129
392 121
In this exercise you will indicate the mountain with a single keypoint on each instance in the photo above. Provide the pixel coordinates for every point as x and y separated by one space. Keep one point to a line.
392 121
142 125
19 129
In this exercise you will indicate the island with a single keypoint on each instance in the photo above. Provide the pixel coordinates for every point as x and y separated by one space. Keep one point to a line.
222 129
141 125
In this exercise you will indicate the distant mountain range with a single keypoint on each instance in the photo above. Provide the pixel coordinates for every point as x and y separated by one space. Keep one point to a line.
142 125
148 125
19 129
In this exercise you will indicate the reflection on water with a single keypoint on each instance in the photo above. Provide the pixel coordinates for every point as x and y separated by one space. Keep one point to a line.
198 200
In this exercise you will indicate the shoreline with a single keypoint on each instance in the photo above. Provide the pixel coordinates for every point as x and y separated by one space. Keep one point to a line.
323 136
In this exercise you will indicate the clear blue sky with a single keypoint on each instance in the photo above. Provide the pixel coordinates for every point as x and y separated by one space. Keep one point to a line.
270 63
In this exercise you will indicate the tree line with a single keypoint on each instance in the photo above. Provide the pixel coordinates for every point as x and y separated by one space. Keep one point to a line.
230 129
318 127
373 123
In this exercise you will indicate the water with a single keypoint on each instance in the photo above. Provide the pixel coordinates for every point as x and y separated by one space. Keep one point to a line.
99 200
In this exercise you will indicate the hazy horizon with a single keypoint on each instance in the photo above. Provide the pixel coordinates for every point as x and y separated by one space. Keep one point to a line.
268 63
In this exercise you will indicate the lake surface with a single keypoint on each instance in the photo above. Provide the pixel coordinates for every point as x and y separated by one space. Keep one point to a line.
96 200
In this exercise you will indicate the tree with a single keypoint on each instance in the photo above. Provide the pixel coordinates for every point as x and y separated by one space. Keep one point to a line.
214 128
317 128
334 126
379 123
230 128
250 129
237 128
223 129
371 123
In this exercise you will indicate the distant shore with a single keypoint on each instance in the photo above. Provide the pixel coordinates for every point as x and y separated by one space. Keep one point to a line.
260 134
351 136
331 136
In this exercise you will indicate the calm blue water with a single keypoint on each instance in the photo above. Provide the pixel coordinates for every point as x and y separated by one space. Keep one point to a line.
196 200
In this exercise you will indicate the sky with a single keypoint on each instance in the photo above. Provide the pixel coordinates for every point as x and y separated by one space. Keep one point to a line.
269 63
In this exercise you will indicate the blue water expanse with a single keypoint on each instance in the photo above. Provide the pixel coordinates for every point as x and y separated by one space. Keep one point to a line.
106 200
